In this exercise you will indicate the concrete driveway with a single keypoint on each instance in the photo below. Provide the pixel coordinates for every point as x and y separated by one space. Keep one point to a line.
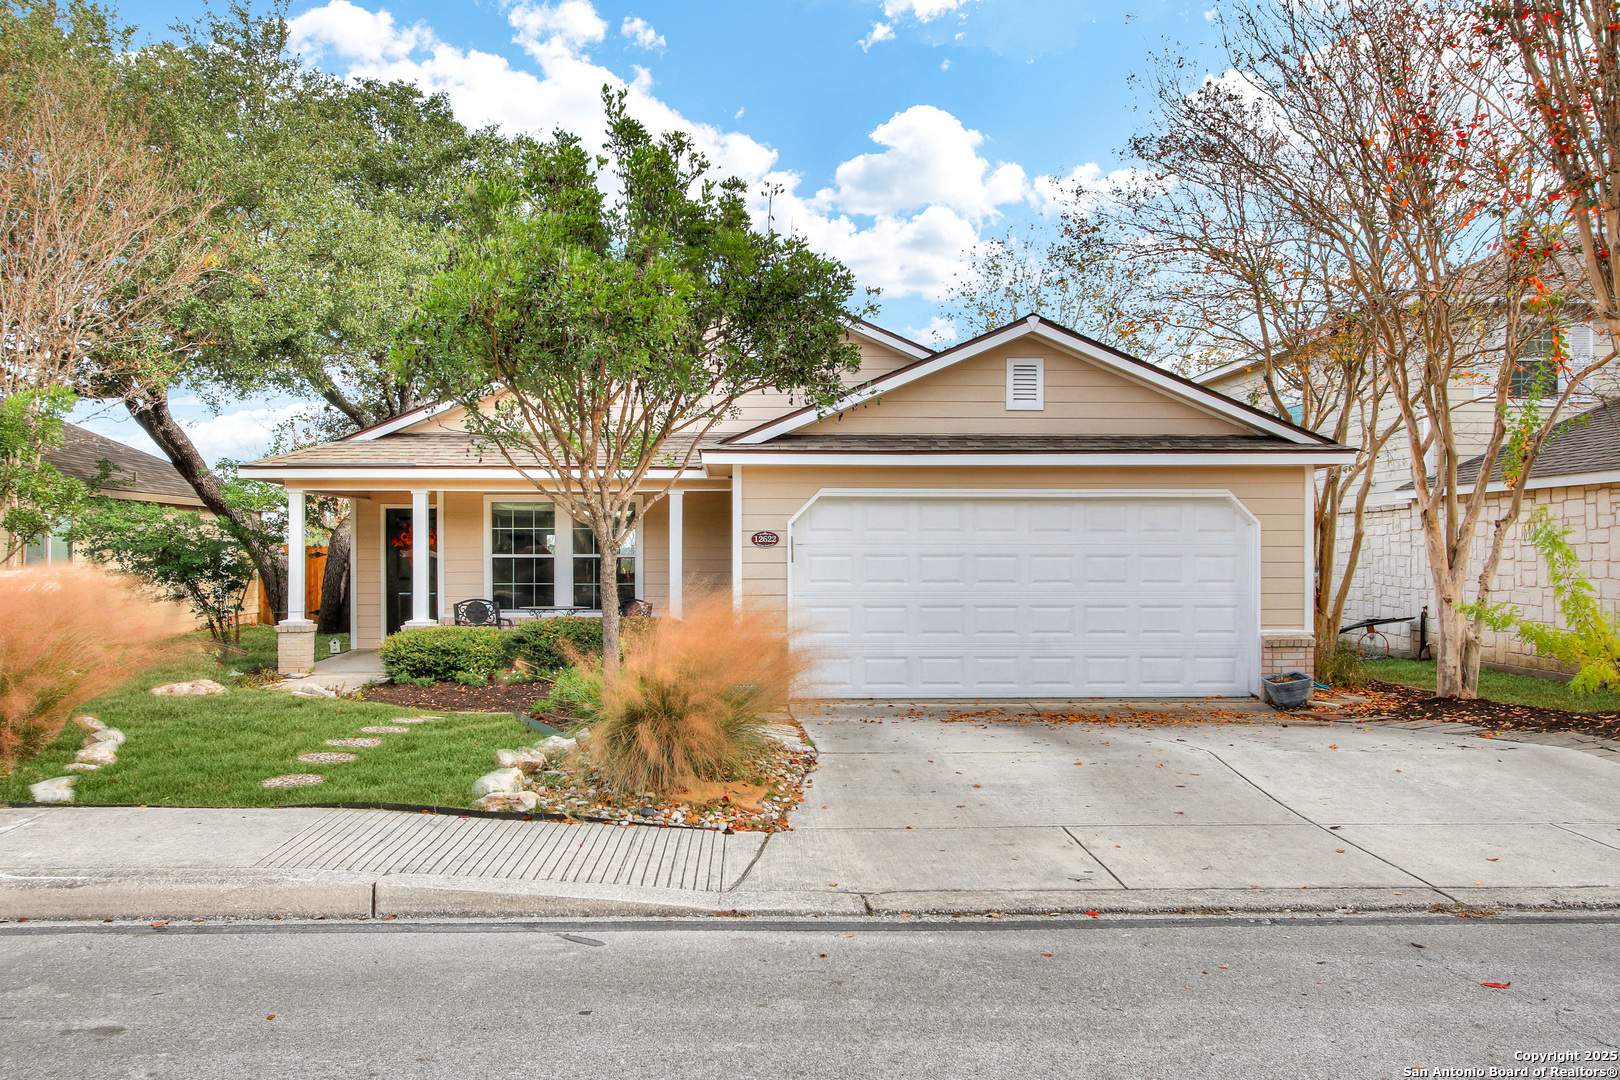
918 813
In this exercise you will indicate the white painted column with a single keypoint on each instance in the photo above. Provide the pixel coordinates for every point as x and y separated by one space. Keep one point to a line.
677 527
444 541
297 606
736 536
420 560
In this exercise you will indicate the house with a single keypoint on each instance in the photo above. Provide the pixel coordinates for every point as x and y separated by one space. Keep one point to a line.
132 474
1577 475
1028 514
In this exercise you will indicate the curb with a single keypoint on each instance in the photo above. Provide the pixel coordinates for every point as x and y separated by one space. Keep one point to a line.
277 893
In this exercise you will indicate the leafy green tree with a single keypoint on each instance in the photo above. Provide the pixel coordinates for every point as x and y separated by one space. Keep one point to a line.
185 557
607 330
35 497
1590 637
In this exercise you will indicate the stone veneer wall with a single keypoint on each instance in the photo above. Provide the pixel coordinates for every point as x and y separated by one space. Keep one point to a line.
1392 577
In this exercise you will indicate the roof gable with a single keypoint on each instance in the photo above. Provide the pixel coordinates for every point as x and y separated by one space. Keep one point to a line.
1108 392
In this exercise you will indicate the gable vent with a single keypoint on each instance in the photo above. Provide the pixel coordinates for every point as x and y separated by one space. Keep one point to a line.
1026 384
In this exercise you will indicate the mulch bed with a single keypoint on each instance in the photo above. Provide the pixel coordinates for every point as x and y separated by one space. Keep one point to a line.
1396 702
453 697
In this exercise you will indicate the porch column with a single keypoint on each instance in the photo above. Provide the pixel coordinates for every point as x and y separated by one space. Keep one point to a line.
677 526
736 537
420 560
295 634
439 501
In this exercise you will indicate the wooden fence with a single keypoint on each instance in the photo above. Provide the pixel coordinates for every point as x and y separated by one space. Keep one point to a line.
314 572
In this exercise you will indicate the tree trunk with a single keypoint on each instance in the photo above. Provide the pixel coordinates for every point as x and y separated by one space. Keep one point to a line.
1451 652
334 613
151 411
608 579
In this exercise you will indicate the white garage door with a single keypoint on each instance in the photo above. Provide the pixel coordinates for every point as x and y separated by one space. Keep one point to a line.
1072 596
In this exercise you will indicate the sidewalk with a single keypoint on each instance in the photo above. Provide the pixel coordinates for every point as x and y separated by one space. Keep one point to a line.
912 811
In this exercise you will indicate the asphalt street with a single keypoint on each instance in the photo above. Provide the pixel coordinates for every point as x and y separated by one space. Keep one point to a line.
1311 996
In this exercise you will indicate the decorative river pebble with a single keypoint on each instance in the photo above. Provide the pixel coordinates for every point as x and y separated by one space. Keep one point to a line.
383 729
353 742
293 780
326 757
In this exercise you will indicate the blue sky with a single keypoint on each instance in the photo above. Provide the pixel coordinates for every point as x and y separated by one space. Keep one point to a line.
902 131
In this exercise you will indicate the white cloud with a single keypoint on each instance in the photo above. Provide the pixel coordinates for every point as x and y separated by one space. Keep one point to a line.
567 28
1085 188
640 32
242 435
880 32
923 10
900 217
938 330
1212 14
931 159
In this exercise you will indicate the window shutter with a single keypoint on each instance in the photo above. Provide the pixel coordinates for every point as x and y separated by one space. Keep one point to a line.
1578 343
1026 384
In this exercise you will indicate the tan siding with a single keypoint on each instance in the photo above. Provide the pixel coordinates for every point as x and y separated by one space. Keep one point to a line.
1081 399
706 544
655 555
461 546
773 494
367 555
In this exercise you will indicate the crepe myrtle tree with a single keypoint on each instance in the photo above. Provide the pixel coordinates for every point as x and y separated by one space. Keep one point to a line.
592 340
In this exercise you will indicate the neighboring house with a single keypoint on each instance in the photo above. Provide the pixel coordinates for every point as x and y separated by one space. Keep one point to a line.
1576 475
134 474
1027 514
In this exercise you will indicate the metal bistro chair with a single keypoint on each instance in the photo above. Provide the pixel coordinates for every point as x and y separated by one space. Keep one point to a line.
480 613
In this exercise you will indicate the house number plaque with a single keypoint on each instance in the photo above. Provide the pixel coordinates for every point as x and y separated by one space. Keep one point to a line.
765 539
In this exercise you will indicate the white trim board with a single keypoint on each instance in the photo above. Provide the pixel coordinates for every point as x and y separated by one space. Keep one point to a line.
1323 456
400 422
890 340
1142 373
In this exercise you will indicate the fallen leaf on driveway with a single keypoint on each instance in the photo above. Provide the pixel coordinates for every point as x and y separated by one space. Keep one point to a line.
1094 915
1497 986
1490 860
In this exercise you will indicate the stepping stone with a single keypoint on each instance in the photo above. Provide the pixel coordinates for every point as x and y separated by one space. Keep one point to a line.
412 719
383 729
293 780
353 742
326 757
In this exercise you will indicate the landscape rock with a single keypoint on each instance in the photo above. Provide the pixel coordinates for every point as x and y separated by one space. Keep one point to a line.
501 781
195 688
509 800
89 723
56 789
100 753
310 690
79 766
106 734
556 746
526 758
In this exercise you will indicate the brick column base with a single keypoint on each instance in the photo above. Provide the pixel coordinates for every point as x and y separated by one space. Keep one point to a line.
1287 652
295 646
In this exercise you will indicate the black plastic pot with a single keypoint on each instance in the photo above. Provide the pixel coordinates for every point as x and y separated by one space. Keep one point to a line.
1291 692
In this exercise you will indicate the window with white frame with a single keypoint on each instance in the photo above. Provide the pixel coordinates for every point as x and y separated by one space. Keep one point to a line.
588 567
1535 372
523 554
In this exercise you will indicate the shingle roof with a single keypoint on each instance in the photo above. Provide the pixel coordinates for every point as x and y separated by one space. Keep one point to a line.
134 472
439 449
1019 444
1587 443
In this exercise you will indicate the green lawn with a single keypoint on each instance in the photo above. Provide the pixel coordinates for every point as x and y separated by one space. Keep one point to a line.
259 649
213 751
1500 686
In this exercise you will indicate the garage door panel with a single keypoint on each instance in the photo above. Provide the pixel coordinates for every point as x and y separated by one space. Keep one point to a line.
1026 596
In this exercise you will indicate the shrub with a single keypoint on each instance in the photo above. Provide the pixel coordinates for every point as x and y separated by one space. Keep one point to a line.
577 693
438 652
67 636
549 644
690 699
1341 667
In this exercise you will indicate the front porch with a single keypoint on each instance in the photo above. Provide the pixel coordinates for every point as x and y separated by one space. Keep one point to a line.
416 553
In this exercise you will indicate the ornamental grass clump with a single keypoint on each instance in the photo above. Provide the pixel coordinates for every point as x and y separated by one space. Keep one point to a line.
65 637
691 699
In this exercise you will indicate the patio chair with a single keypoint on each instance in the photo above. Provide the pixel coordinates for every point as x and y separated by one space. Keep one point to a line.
636 607
480 613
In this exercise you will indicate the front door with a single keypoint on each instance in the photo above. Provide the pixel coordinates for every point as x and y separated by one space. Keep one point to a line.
397 565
